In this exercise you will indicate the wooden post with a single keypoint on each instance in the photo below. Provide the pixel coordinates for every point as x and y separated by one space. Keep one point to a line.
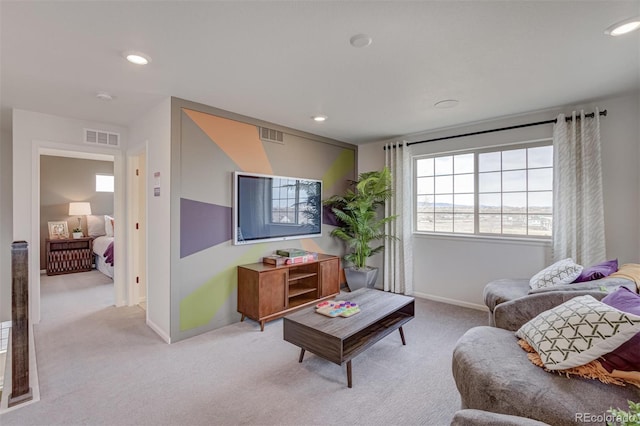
20 390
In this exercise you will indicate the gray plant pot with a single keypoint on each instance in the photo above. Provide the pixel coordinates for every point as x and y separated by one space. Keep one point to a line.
360 278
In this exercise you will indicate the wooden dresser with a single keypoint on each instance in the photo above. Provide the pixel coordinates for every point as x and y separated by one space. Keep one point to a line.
65 256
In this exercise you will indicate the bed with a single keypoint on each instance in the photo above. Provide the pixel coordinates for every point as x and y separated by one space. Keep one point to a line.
100 227
103 250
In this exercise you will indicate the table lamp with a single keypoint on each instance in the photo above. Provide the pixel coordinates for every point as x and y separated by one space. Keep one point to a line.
79 209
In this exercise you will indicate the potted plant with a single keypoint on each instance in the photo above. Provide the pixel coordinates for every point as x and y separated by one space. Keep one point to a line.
77 233
359 225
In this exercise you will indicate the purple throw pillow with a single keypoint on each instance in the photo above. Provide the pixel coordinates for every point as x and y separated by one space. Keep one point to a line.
625 357
598 271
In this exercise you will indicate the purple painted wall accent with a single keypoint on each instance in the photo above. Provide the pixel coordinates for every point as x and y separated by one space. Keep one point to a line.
202 225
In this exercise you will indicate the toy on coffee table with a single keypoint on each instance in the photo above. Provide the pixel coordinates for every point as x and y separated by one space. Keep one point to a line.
337 308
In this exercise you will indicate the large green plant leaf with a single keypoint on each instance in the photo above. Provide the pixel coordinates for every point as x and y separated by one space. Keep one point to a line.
356 210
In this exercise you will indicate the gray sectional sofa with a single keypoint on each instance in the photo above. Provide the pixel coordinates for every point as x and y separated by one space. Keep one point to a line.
493 374
511 302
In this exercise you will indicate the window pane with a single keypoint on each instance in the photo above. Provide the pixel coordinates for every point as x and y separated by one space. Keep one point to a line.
514 159
515 224
540 225
490 223
463 163
514 181
514 202
444 184
463 223
541 156
444 222
489 182
540 180
424 167
444 203
490 203
104 183
425 222
510 190
489 162
444 165
425 203
541 202
425 185
463 203
463 183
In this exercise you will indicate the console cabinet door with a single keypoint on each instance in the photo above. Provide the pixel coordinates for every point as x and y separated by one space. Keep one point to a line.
329 277
273 292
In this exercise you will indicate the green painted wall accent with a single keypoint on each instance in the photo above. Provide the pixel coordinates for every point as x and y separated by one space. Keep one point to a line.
199 307
343 165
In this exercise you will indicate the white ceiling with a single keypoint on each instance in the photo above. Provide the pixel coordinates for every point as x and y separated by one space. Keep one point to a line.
285 61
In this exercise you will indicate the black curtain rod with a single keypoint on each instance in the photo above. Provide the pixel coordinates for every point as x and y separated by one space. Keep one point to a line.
519 126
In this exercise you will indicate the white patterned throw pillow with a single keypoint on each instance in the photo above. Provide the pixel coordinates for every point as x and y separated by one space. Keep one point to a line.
577 332
564 271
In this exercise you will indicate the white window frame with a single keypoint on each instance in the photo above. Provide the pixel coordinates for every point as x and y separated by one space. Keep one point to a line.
112 186
476 215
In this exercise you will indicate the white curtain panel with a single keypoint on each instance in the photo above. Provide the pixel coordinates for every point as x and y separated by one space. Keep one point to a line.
398 260
578 213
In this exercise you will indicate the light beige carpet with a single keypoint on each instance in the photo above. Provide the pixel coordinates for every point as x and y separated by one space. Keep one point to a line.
102 365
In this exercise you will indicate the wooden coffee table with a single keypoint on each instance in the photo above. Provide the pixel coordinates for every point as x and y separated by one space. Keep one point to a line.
340 339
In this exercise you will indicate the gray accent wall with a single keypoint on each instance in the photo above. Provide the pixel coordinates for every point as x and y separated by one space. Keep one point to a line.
64 180
204 281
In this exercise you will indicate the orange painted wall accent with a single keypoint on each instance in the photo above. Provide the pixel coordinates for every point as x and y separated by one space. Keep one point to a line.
239 141
310 245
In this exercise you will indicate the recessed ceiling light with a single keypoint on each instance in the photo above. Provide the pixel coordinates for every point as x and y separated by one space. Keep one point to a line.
137 58
447 103
104 96
623 27
319 118
360 40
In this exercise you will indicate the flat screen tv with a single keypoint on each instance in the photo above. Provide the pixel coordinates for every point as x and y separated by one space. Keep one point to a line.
275 208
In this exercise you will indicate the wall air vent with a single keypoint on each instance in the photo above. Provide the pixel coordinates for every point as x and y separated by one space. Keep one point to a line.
271 135
102 138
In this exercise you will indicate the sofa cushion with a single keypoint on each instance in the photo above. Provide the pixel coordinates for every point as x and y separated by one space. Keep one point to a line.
627 356
578 331
493 373
598 271
504 290
564 271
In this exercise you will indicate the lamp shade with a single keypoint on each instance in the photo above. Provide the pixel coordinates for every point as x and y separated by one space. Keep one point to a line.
79 209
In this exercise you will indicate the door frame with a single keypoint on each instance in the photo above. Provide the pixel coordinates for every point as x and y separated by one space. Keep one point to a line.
39 148
138 239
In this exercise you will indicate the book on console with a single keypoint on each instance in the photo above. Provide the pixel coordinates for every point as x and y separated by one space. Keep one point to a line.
309 257
275 259
291 252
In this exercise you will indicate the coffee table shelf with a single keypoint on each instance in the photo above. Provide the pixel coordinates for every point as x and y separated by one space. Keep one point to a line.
357 343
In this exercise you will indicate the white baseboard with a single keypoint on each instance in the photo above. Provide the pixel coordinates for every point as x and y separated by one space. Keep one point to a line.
451 301
158 331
